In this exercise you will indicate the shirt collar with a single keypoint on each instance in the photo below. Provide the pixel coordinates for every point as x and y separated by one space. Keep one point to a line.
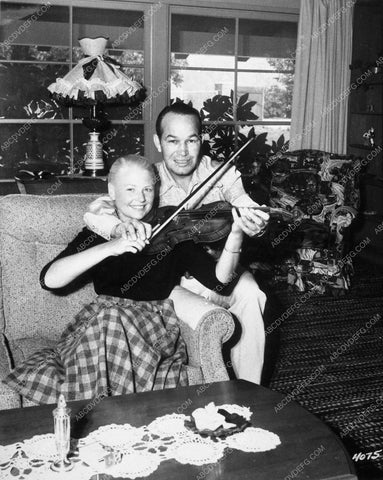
167 181
203 169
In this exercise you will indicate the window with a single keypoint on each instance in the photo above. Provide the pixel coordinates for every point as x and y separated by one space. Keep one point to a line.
235 66
39 44
237 72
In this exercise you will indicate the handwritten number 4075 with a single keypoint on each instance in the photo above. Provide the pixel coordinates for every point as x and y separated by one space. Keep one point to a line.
367 456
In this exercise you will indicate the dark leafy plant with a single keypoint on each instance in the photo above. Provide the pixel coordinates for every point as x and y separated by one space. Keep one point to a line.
258 145
220 140
177 99
223 143
218 108
280 145
256 153
244 107
24 92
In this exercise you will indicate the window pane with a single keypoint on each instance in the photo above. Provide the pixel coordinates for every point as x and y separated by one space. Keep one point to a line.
198 86
124 112
34 147
272 93
118 140
127 139
24 92
201 61
273 131
194 36
260 40
125 30
268 64
136 74
34 31
127 57
34 52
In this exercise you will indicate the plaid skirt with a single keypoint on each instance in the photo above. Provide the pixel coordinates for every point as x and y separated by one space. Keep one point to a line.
112 347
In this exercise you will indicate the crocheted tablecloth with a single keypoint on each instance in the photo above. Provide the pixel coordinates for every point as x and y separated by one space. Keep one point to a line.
131 452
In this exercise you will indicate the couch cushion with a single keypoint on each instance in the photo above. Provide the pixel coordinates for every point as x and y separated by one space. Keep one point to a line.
33 229
2 320
43 218
8 398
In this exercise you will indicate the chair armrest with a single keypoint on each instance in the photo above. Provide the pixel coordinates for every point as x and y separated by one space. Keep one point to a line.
204 328
8 398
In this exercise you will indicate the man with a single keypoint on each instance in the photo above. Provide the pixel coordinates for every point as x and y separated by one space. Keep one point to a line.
178 139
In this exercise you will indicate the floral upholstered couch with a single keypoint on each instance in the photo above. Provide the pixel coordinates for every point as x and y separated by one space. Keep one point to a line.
316 195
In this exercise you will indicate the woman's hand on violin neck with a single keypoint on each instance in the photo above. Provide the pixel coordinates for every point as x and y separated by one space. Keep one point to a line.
251 221
122 245
133 229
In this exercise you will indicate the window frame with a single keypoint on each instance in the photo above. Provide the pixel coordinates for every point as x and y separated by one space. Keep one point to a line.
157 48
147 67
236 15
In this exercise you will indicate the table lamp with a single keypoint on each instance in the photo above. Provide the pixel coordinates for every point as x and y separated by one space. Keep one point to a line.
96 80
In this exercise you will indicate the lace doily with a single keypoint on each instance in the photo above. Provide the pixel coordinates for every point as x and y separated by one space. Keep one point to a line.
135 464
197 451
253 440
116 437
42 447
173 424
130 452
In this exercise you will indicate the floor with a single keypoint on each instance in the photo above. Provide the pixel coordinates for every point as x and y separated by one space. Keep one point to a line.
330 353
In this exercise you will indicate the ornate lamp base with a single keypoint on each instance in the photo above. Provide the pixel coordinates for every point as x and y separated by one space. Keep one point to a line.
94 164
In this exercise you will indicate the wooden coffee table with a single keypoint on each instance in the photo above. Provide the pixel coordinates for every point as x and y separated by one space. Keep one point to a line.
308 450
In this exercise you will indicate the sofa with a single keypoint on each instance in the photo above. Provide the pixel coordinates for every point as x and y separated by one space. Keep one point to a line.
316 195
60 185
33 229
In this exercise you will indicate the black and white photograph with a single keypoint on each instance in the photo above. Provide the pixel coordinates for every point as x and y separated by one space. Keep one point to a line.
191 239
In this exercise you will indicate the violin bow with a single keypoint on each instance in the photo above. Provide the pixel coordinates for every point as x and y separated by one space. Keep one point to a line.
160 227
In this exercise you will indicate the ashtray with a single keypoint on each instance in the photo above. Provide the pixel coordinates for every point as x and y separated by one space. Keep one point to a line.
240 424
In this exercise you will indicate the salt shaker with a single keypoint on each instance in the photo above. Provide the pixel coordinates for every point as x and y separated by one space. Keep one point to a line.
61 416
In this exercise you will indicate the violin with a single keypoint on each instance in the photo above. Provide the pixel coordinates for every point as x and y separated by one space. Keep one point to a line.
209 223
206 224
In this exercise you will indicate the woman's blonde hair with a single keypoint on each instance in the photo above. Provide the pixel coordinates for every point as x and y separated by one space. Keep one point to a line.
131 159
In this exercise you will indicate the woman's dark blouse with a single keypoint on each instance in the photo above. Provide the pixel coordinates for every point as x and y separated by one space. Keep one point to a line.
139 276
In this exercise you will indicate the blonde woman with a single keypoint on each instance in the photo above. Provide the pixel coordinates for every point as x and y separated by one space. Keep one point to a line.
128 339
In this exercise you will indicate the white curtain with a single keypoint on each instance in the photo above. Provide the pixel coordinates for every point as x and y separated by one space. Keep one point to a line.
322 76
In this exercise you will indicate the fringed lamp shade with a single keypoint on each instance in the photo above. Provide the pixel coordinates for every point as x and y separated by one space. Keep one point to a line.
95 80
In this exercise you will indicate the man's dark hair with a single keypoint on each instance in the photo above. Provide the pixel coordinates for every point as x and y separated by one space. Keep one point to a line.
179 108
